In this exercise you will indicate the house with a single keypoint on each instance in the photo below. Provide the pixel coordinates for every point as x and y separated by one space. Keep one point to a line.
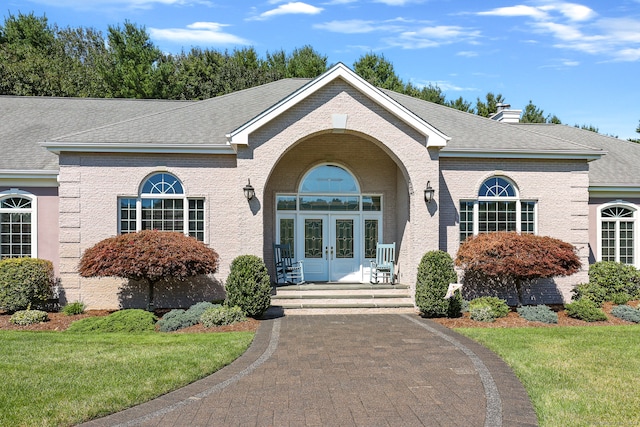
336 166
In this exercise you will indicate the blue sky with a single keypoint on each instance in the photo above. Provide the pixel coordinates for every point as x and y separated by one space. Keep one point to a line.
579 61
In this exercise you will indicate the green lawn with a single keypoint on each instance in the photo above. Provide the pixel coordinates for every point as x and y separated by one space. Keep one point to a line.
575 376
54 378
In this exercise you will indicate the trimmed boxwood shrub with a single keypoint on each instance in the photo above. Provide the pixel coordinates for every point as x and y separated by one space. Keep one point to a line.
585 309
29 317
25 282
435 273
220 316
499 307
248 285
626 312
131 320
538 313
615 278
179 319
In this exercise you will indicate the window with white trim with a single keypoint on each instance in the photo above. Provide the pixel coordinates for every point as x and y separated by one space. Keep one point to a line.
162 205
17 225
617 234
498 207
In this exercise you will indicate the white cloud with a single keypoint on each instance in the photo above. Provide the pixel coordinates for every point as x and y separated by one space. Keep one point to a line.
579 28
434 36
198 33
291 8
467 54
359 26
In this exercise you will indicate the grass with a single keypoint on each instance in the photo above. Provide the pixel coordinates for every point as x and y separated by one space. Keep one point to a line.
53 378
577 376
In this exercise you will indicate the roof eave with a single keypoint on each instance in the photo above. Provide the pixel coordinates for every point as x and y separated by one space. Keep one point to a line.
119 147
28 178
588 155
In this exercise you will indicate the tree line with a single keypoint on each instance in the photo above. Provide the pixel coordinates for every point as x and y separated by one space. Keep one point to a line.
41 59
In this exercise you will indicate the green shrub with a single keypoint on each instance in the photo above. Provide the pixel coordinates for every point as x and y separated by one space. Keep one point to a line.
615 277
248 285
179 319
482 313
626 312
222 315
585 309
591 291
28 317
25 282
435 273
131 320
499 307
620 298
73 308
538 313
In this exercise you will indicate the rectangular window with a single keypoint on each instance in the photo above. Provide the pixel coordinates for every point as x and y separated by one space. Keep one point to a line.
496 216
329 203
128 215
608 241
466 220
527 217
626 242
371 203
15 235
196 219
286 203
163 214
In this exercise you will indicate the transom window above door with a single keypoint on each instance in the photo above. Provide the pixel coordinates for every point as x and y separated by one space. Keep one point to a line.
162 205
329 188
498 207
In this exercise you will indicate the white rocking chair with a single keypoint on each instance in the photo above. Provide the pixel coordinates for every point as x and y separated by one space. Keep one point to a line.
384 265
287 270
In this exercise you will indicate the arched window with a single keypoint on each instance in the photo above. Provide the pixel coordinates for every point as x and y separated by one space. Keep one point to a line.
162 205
17 225
498 207
617 234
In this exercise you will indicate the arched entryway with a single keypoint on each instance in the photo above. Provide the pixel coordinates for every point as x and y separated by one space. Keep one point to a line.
330 224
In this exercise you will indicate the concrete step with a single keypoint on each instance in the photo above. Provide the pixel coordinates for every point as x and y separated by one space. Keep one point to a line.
333 298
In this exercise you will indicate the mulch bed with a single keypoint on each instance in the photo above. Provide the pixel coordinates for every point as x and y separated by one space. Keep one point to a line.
60 322
513 320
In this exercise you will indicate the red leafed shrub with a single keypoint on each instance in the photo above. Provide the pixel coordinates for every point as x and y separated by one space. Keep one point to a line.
517 258
150 256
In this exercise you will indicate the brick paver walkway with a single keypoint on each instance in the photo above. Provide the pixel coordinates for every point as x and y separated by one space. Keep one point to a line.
348 370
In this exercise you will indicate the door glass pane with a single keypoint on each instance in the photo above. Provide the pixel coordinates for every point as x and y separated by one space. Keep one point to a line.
370 237
286 233
344 238
313 238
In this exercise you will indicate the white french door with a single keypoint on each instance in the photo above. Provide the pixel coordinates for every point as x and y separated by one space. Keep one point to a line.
330 247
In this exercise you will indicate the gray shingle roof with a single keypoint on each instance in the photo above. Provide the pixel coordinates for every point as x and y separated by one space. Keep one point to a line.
25 121
472 132
203 122
619 167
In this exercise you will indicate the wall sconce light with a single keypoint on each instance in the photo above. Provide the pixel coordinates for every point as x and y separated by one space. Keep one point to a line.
428 192
249 191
